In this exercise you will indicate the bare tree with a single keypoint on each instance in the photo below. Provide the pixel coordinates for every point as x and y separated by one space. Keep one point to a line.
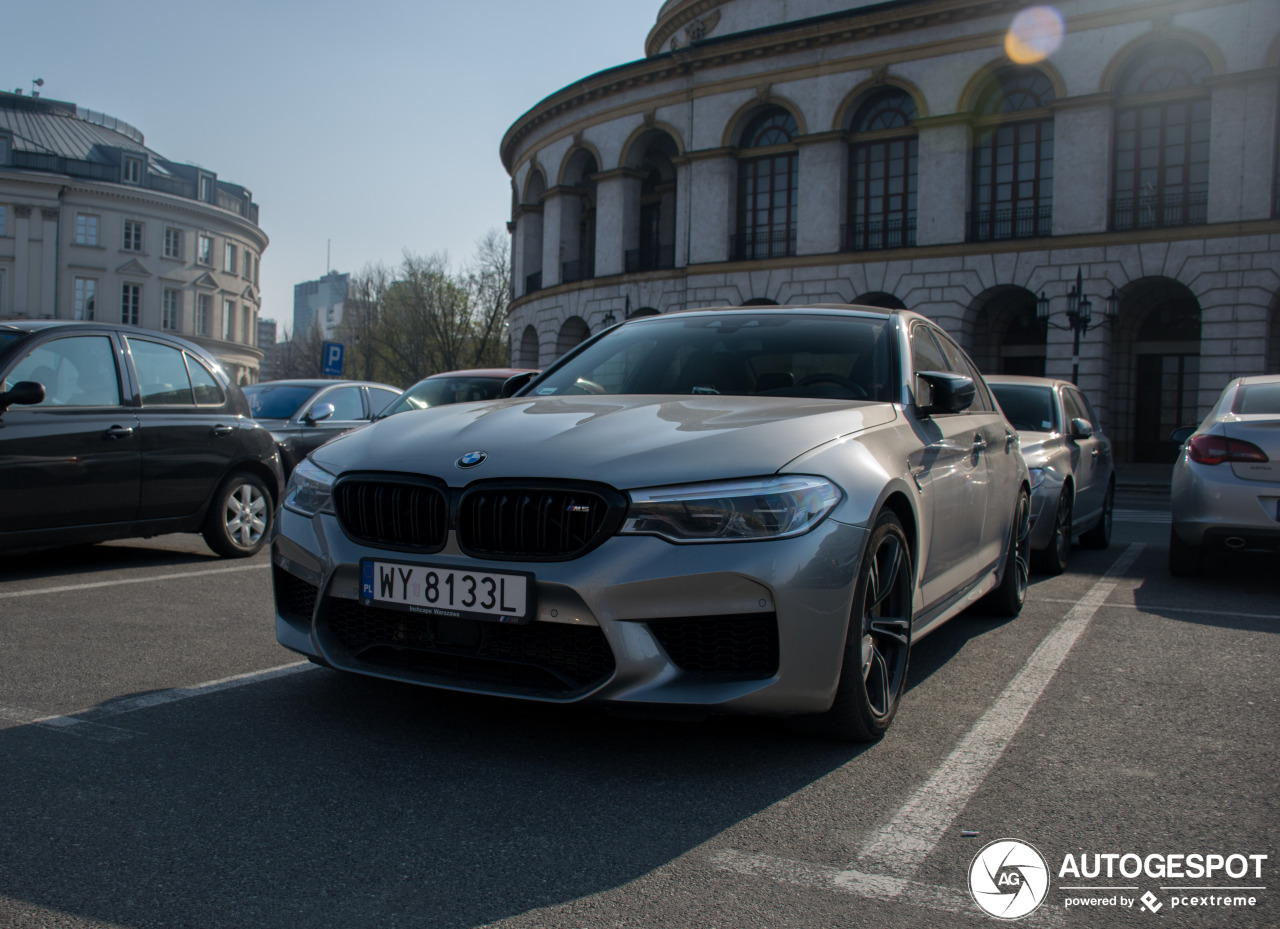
489 285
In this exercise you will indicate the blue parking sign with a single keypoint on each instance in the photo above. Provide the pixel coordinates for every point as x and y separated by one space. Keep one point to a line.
333 359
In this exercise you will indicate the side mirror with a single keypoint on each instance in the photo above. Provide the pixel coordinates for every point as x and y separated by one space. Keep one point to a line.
940 392
1181 435
318 412
27 393
1081 428
513 384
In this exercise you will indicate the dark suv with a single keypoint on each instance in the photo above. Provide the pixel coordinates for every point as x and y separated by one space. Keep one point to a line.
110 432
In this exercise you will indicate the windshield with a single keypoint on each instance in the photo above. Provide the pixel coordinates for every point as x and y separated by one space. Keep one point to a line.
823 357
437 391
276 401
1029 408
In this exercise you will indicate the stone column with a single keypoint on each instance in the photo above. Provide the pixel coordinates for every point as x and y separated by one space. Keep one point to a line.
1081 165
710 204
23 299
822 194
552 220
683 218
943 185
617 219
49 262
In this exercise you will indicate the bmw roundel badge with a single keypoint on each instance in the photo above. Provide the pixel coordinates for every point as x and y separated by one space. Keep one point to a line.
471 459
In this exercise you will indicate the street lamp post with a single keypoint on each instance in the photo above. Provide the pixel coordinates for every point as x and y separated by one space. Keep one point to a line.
1079 315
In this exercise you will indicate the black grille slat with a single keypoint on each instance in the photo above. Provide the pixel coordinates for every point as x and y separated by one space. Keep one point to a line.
391 513
532 522
734 647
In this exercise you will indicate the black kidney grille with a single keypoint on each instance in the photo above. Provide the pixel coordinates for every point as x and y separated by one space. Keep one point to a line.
549 657
504 522
742 647
391 513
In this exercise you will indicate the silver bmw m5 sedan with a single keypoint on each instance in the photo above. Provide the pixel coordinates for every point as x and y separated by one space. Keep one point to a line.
713 511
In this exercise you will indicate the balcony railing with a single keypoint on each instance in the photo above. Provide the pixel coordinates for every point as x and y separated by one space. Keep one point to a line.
653 258
748 246
893 233
1027 222
577 270
533 282
1160 211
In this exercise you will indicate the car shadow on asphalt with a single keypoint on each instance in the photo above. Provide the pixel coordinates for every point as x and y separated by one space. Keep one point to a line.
76 560
1234 591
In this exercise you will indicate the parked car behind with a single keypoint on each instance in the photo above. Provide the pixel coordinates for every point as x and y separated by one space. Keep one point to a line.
1073 484
1225 492
454 387
728 510
110 432
303 414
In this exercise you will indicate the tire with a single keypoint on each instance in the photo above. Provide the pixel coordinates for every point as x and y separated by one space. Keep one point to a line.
877 648
239 519
1053 559
1007 599
1100 535
1184 560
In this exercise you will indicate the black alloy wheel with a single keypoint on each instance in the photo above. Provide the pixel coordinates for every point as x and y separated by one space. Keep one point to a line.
1007 599
1053 558
878 647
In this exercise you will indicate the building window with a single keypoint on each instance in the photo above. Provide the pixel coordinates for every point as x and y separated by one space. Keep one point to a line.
204 249
247 272
228 320
246 327
132 236
882 173
172 242
171 310
767 188
4 217
86 229
229 259
204 308
130 304
257 267
206 188
86 297
1013 158
132 170
1162 140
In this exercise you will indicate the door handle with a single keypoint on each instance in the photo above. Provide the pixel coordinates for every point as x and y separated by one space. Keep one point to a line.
119 432
979 444
221 430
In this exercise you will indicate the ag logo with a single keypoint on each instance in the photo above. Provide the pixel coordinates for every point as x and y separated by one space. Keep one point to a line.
1008 879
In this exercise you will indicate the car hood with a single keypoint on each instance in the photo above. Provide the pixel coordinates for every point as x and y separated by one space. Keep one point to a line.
624 441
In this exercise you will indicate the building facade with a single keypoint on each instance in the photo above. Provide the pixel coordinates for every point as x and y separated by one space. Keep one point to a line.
951 157
319 304
95 225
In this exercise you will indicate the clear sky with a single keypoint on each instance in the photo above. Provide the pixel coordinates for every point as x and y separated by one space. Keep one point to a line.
374 124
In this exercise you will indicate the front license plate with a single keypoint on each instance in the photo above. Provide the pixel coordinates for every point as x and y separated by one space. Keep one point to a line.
439 591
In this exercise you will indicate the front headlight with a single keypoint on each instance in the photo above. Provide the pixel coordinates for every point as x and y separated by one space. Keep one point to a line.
310 490
1037 478
732 511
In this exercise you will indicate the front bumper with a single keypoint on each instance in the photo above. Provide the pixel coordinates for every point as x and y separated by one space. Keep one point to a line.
748 627
1211 506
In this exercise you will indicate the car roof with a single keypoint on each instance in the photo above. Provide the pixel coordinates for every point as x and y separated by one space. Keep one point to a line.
835 309
1026 380
315 383
33 326
481 372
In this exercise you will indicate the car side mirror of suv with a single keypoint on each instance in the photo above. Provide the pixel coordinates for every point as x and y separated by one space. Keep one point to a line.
515 382
27 393
317 413
941 392
1081 428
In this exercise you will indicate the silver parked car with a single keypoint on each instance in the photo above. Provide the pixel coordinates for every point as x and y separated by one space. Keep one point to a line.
729 510
1073 484
1225 493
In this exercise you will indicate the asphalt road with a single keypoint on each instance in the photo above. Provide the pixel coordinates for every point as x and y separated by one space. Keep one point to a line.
164 763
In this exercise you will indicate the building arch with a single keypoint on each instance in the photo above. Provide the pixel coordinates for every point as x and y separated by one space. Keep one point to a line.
768 188
573 332
643 311
845 111
1155 367
883 159
530 348
1112 74
633 148
578 215
571 165
529 222
881 299
979 82
1005 336
736 127
649 201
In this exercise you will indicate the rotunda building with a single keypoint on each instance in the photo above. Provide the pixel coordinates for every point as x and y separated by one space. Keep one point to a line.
1102 173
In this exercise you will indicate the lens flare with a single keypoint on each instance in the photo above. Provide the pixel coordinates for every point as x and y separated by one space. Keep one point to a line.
1036 33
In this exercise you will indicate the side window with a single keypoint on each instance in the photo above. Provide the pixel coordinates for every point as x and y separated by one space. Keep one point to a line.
75 371
925 354
207 390
959 362
162 374
1086 408
1074 406
346 403
380 399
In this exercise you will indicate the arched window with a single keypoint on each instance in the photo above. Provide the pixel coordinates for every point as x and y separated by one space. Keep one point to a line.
530 224
1162 139
1013 158
572 332
578 219
882 173
767 187
652 245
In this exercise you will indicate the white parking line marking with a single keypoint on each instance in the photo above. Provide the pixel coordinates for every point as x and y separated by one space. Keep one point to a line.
87 722
1153 607
908 838
902 845
130 580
